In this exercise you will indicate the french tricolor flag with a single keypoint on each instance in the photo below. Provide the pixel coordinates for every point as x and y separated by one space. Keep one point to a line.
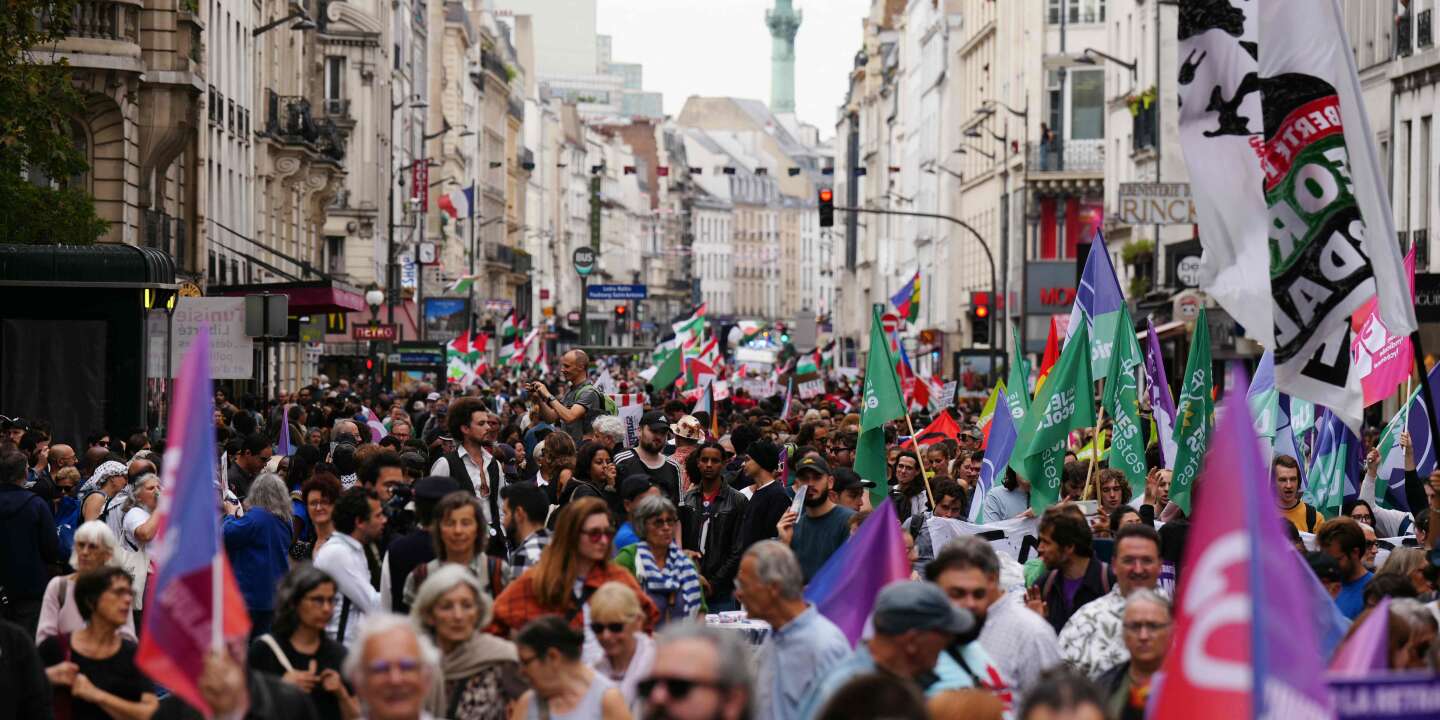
459 203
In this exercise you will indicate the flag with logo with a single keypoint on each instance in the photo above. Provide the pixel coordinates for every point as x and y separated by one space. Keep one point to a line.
1194 415
1382 360
907 301
1122 400
1238 650
1157 389
1290 192
1411 417
997 456
193 604
1334 473
880 403
1064 405
1098 301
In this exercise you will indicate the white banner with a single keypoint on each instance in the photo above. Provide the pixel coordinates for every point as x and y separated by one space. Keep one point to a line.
810 389
1007 536
630 415
232 354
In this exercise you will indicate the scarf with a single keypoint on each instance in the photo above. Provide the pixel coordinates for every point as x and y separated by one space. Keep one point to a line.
678 576
464 661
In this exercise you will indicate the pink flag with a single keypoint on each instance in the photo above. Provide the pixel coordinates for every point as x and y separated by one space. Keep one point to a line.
1384 360
1367 650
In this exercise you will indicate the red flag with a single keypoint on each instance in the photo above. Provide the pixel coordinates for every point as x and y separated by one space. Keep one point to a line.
1052 354
941 428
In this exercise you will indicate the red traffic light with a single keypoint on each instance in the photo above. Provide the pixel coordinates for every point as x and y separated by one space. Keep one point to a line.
982 311
620 310
827 195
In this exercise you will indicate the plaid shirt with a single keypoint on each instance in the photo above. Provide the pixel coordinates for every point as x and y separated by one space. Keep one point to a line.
528 554
518 605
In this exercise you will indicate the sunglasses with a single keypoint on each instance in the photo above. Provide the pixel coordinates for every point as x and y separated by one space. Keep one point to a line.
596 535
615 628
676 688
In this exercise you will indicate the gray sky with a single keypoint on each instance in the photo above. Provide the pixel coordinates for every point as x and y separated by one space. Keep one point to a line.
722 47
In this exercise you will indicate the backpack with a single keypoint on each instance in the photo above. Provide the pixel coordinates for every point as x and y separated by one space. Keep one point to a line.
67 518
607 403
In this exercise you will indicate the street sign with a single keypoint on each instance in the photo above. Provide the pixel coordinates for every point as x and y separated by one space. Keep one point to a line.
889 322
584 259
373 332
617 292
1187 271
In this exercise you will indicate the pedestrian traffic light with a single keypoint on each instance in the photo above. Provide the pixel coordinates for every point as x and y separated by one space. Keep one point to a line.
827 207
980 318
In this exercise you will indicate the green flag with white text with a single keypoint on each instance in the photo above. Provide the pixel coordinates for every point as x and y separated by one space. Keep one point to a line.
1122 401
880 403
1193 415
1066 403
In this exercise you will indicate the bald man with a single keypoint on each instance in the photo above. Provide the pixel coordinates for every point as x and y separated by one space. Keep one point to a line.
578 408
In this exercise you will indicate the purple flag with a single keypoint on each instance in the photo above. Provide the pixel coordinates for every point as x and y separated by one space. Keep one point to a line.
283 445
1368 649
844 589
1157 388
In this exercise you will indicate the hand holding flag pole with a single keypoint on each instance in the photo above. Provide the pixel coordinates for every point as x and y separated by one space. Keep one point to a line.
1095 445
919 456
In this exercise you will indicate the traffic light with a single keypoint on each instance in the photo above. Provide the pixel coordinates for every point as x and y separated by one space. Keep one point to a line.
827 207
980 318
621 312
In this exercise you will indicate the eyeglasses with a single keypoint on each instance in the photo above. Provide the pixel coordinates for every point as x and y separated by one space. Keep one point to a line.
664 521
615 628
676 688
406 666
1144 627
596 535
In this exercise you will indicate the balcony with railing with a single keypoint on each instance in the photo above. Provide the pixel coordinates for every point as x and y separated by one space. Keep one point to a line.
520 262
98 29
338 109
289 118
1068 156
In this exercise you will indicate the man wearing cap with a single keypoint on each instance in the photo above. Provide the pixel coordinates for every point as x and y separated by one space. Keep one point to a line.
914 622
824 527
647 457
768 497
581 404
415 548
850 489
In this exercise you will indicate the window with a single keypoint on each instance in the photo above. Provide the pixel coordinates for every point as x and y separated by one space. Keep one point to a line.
334 77
1086 11
1053 13
1087 105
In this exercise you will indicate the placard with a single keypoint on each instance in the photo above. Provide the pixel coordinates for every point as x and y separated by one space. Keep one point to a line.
810 389
232 352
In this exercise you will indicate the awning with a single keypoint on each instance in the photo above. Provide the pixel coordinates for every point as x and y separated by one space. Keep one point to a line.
112 265
1165 331
315 297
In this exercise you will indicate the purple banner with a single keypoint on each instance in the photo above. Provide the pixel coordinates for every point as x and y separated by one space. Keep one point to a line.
1387 696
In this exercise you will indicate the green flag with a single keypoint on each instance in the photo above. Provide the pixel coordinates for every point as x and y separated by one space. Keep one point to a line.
1193 413
1122 400
669 370
1017 392
1066 403
880 403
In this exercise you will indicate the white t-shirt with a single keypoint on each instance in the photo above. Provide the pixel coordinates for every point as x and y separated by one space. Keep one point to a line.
136 517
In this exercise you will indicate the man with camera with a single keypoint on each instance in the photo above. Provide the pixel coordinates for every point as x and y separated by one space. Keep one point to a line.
578 408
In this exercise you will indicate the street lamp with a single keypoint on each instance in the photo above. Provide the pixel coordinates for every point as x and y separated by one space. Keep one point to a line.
374 298
1087 57
297 13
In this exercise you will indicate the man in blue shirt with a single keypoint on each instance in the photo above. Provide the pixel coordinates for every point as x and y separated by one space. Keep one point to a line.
1342 539
824 527
803 644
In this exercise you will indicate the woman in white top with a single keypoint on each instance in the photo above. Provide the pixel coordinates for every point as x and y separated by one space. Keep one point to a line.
94 548
618 623
140 524
562 686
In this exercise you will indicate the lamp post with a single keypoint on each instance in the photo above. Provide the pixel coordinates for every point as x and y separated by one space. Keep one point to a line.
373 297
987 109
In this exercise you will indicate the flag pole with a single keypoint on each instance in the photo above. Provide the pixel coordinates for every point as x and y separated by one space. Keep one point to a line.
919 455
1094 443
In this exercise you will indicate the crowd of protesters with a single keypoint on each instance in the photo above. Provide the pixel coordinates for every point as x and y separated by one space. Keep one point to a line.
508 550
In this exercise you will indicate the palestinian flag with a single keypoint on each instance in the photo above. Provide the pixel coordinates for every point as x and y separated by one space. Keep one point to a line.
511 348
462 285
509 328
462 356
697 374
750 329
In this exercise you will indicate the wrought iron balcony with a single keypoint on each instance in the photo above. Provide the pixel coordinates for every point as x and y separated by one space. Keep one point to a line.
1066 156
520 262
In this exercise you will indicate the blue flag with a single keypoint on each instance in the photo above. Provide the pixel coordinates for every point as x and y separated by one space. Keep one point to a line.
1334 475
1414 418
1097 303
997 455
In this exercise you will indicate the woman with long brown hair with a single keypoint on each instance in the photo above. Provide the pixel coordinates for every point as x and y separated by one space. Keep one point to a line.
578 551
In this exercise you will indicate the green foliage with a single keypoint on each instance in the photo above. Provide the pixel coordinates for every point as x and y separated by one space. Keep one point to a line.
38 103
1134 250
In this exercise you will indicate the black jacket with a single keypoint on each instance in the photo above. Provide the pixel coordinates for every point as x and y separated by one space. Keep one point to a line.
27 533
1094 585
761 515
719 561
22 677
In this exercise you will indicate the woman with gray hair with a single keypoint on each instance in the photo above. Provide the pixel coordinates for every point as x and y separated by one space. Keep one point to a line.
138 525
668 575
479 672
94 549
258 545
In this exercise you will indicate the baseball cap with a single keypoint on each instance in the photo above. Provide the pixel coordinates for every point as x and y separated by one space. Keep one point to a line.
634 486
846 479
655 420
918 605
435 487
432 397
814 463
